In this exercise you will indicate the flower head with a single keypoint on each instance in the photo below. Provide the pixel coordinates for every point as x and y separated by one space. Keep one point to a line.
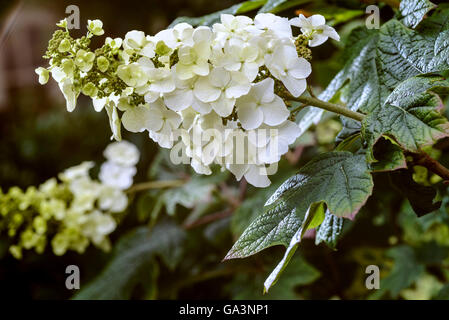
315 28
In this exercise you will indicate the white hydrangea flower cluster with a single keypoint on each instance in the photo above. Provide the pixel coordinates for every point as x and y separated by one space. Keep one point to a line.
207 86
72 213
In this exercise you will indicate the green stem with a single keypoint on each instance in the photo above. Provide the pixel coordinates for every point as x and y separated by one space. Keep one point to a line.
329 107
155 185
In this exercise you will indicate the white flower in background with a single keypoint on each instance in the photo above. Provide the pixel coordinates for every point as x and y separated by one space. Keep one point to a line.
292 70
122 153
85 192
278 26
114 175
315 28
220 88
112 199
97 227
261 105
193 59
76 172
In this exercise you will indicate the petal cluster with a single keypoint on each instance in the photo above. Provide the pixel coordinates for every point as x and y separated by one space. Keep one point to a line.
218 94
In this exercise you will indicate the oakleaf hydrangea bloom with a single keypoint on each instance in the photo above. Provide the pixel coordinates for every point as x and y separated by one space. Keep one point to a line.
218 95
71 213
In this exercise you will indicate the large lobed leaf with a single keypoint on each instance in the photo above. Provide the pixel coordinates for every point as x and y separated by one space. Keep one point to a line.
340 179
388 75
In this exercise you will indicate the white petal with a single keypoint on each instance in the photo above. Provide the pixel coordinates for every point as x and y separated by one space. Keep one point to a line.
300 69
201 107
257 176
201 68
250 70
250 116
295 86
205 92
236 90
139 119
263 91
318 39
317 20
202 34
219 77
184 72
331 33
179 99
164 86
275 112
99 104
238 170
223 106
289 131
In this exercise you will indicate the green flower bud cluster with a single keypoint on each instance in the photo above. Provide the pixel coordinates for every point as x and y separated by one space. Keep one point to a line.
96 74
68 214
303 48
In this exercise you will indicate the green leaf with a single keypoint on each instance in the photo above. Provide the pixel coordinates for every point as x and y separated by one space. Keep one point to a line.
404 53
275 6
413 123
340 179
133 256
389 156
312 212
405 272
421 197
413 11
329 231
381 68
212 18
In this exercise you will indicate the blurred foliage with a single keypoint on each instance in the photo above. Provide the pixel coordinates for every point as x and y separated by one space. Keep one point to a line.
172 241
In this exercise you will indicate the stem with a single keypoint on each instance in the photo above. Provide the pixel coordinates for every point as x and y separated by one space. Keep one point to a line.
155 185
209 218
329 107
423 159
